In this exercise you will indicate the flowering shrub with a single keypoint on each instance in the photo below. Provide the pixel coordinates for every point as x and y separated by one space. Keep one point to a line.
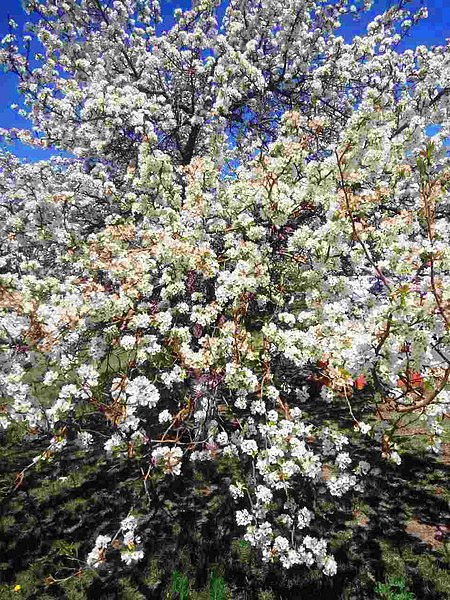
242 198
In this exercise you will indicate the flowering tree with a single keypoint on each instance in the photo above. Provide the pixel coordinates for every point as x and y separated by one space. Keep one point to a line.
247 192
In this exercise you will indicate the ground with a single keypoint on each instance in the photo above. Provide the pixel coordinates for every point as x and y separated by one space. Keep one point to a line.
193 548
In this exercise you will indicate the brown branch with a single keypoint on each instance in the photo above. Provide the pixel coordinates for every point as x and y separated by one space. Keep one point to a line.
426 401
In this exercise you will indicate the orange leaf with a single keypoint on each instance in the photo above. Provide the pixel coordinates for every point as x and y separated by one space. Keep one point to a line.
360 382
416 379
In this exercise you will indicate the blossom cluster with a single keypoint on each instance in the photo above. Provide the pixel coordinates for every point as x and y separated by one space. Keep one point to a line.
234 203
130 549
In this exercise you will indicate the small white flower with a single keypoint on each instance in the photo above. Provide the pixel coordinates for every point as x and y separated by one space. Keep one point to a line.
88 374
341 485
396 458
243 517
102 541
95 557
241 402
273 454
141 391
272 393
140 320
304 518
132 557
222 438
340 441
128 342
85 439
129 523
281 544
329 566
164 321
258 407
290 559
286 520
236 491
364 428
115 441
128 538
343 460
182 307
50 377
326 394
264 494
272 415
164 416
296 413
317 546
249 447
287 318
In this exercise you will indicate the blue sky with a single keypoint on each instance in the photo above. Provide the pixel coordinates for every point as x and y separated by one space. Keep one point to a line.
432 31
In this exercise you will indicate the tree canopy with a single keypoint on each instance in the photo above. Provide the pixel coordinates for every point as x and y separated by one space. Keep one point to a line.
255 218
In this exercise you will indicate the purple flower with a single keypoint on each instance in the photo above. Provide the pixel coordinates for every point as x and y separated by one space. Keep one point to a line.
21 348
190 285
210 446
198 330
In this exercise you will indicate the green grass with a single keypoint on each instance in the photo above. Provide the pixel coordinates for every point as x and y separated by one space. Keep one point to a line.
216 589
395 563
394 589
48 487
180 585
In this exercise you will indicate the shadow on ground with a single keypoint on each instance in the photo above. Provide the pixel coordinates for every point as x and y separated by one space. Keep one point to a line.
48 526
